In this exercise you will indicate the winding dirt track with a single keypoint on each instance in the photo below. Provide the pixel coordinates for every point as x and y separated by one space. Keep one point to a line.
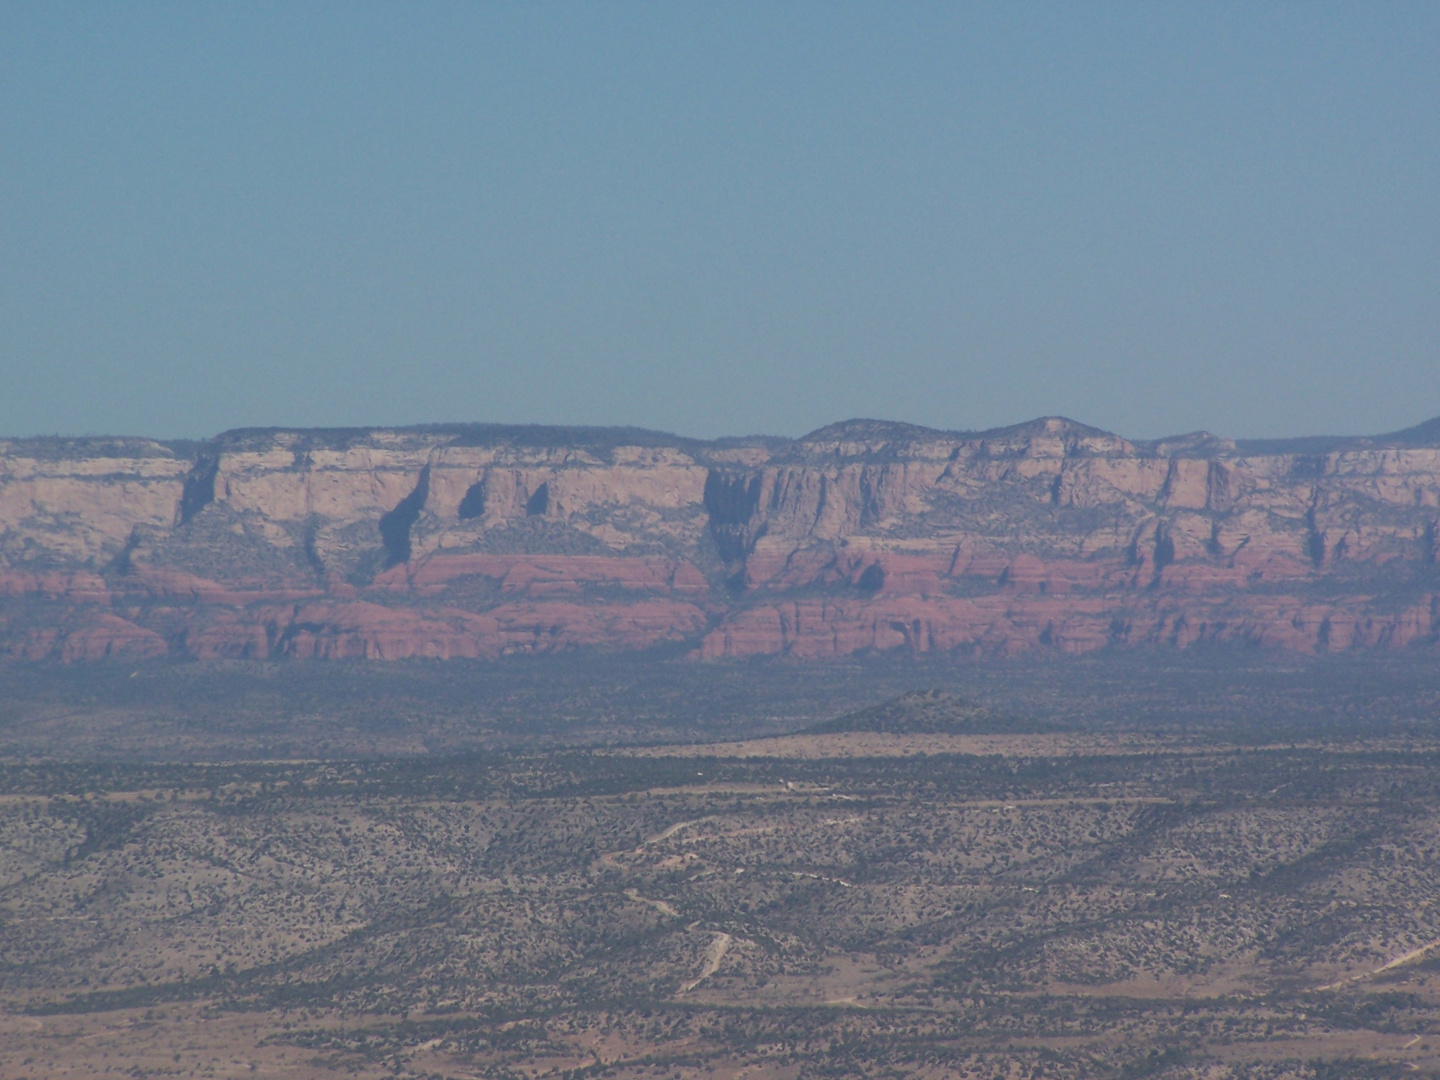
1399 961
719 946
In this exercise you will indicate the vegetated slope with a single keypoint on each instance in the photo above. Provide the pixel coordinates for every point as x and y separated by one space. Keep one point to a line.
921 712
864 536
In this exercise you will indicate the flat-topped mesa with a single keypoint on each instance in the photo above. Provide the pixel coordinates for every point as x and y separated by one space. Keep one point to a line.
867 535
1050 436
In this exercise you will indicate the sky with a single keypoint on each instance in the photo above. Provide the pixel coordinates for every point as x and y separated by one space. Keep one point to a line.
719 218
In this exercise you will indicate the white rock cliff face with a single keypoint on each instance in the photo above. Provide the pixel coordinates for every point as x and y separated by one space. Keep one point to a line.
477 541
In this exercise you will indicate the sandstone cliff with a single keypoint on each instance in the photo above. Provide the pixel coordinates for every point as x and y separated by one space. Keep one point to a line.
474 541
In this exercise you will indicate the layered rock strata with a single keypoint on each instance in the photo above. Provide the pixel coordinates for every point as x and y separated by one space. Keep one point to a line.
477 541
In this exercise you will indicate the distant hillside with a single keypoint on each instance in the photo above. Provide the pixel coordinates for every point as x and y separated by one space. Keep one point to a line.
922 712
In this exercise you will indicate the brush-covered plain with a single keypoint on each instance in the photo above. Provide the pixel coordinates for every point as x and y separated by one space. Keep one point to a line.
933 884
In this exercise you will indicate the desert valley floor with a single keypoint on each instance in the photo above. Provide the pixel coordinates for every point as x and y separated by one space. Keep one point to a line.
1221 865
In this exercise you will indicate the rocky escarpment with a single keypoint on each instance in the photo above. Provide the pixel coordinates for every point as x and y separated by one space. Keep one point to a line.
475 541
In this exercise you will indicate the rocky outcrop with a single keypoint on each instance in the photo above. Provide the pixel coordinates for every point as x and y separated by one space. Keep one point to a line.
477 541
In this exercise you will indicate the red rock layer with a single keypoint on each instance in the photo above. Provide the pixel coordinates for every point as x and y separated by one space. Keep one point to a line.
471 542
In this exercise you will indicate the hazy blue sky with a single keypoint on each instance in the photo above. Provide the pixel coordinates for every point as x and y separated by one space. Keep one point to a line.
719 218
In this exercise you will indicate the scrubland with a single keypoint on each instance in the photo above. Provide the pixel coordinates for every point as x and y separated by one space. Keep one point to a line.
929 887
